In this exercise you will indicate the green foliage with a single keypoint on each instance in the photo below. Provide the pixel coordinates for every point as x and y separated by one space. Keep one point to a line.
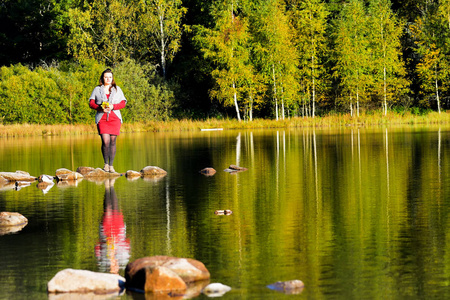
388 68
160 26
59 94
149 97
30 97
227 46
310 21
104 30
353 60
275 54
268 58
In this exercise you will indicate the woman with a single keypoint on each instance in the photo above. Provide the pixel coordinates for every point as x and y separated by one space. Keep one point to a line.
107 98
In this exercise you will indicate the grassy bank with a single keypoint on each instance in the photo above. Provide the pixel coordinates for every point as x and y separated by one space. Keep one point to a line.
331 121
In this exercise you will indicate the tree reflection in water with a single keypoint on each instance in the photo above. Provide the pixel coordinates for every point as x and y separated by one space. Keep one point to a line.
113 249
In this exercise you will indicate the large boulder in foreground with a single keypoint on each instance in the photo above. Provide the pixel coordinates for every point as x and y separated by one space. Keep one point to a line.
12 219
82 281
164 273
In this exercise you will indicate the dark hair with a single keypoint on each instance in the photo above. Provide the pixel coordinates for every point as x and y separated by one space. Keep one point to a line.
113 83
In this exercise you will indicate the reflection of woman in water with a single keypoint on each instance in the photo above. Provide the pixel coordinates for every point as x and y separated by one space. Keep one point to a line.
113 250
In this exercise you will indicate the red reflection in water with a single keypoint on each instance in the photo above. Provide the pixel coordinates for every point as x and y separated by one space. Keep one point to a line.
113 249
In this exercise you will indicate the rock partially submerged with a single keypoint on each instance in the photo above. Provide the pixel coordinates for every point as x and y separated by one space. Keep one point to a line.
82 281
16 176
100 173
67 175
165 274
11 229
288 287
85 170
11 222
12 219
216 289
133 174
153 170
221 212
235 169
46 179
208 171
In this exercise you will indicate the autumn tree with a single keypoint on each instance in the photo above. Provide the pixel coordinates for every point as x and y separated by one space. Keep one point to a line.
226 45
104 30
385 47
310 19
431 33
161 27
276 54
352 53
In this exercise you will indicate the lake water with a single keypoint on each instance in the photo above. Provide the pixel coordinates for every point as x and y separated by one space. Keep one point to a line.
354 213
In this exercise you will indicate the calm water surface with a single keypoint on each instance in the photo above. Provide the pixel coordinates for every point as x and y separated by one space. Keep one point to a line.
353 213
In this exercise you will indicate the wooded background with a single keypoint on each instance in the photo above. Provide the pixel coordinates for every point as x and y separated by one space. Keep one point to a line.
225 58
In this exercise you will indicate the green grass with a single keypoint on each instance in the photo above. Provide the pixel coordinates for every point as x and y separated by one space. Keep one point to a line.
375 118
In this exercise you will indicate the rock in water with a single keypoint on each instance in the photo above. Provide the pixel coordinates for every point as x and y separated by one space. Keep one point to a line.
288 287
208 171
12 219
152 170
132 174
17 176
216 289
144 272
84 170
237 168
45 179
82 281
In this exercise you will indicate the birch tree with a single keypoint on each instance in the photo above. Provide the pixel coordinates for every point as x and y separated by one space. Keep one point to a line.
276 53
352 65
310 19
432 37
161 25
388 68
104 30
227 46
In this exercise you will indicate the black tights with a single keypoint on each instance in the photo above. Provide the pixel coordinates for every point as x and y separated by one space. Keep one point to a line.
108 147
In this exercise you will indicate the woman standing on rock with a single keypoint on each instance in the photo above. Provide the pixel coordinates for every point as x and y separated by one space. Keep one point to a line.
107 99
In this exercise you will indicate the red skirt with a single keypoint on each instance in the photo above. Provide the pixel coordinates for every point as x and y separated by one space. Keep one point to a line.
112 126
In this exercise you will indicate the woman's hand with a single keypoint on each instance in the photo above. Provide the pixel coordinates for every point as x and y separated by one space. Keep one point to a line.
107 107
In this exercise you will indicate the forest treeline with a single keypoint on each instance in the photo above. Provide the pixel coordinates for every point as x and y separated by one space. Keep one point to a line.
224 58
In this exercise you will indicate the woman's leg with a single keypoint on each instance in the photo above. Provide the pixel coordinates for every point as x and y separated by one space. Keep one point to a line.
112 149
106 143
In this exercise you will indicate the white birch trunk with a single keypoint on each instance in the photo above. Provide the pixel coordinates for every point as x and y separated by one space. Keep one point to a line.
275 92
385 90
163 46
313 89
251 110
437 91
357 102
351 107
235 102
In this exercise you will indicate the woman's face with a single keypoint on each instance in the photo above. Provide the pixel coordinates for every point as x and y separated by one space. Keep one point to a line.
107 78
